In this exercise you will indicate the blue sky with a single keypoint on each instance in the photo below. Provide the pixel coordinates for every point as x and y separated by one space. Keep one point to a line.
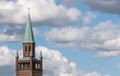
84 34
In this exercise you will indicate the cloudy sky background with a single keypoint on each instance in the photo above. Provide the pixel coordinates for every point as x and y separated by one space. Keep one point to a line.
81 37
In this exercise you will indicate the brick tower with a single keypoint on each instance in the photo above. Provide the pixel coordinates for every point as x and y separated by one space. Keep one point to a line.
28 65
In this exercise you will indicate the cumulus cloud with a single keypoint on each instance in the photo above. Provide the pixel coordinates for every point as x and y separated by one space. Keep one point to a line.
11 34
14 33
51 57
107 6
102 37
67 35
108 54
92 74
42 12
70 3
63 66
107 75
6 56
88 18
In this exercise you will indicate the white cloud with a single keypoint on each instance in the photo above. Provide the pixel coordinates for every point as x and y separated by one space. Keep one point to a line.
14 33
103 37
42 12
70 3
107 75
6 56
92 74
54 57
88 18
107 6
62 67
7 38
108 54
67 35
73 14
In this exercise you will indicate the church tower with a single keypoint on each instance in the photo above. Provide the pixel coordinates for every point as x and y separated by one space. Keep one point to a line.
28 65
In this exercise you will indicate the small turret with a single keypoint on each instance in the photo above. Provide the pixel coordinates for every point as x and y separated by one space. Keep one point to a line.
17 55
41 56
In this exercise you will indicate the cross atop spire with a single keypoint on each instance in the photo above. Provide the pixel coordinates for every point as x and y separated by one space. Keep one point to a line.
29 38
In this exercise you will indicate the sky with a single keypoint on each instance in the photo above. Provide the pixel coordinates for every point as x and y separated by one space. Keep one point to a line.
76 37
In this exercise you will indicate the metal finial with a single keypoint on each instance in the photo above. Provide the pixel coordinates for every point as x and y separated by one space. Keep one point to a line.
28 11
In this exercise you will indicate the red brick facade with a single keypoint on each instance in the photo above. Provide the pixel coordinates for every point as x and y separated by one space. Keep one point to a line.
28 65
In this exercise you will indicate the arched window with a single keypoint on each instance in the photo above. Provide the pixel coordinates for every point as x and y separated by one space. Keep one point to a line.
29 48
22 66
25 48
19 66
36 66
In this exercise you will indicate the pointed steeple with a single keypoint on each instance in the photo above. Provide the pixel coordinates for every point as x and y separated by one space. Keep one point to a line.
29 38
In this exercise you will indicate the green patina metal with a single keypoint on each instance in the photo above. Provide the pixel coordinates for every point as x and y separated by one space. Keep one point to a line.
25 58
35 59
29 38
28 58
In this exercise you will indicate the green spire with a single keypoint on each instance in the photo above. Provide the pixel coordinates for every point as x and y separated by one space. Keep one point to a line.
17 55
29 38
